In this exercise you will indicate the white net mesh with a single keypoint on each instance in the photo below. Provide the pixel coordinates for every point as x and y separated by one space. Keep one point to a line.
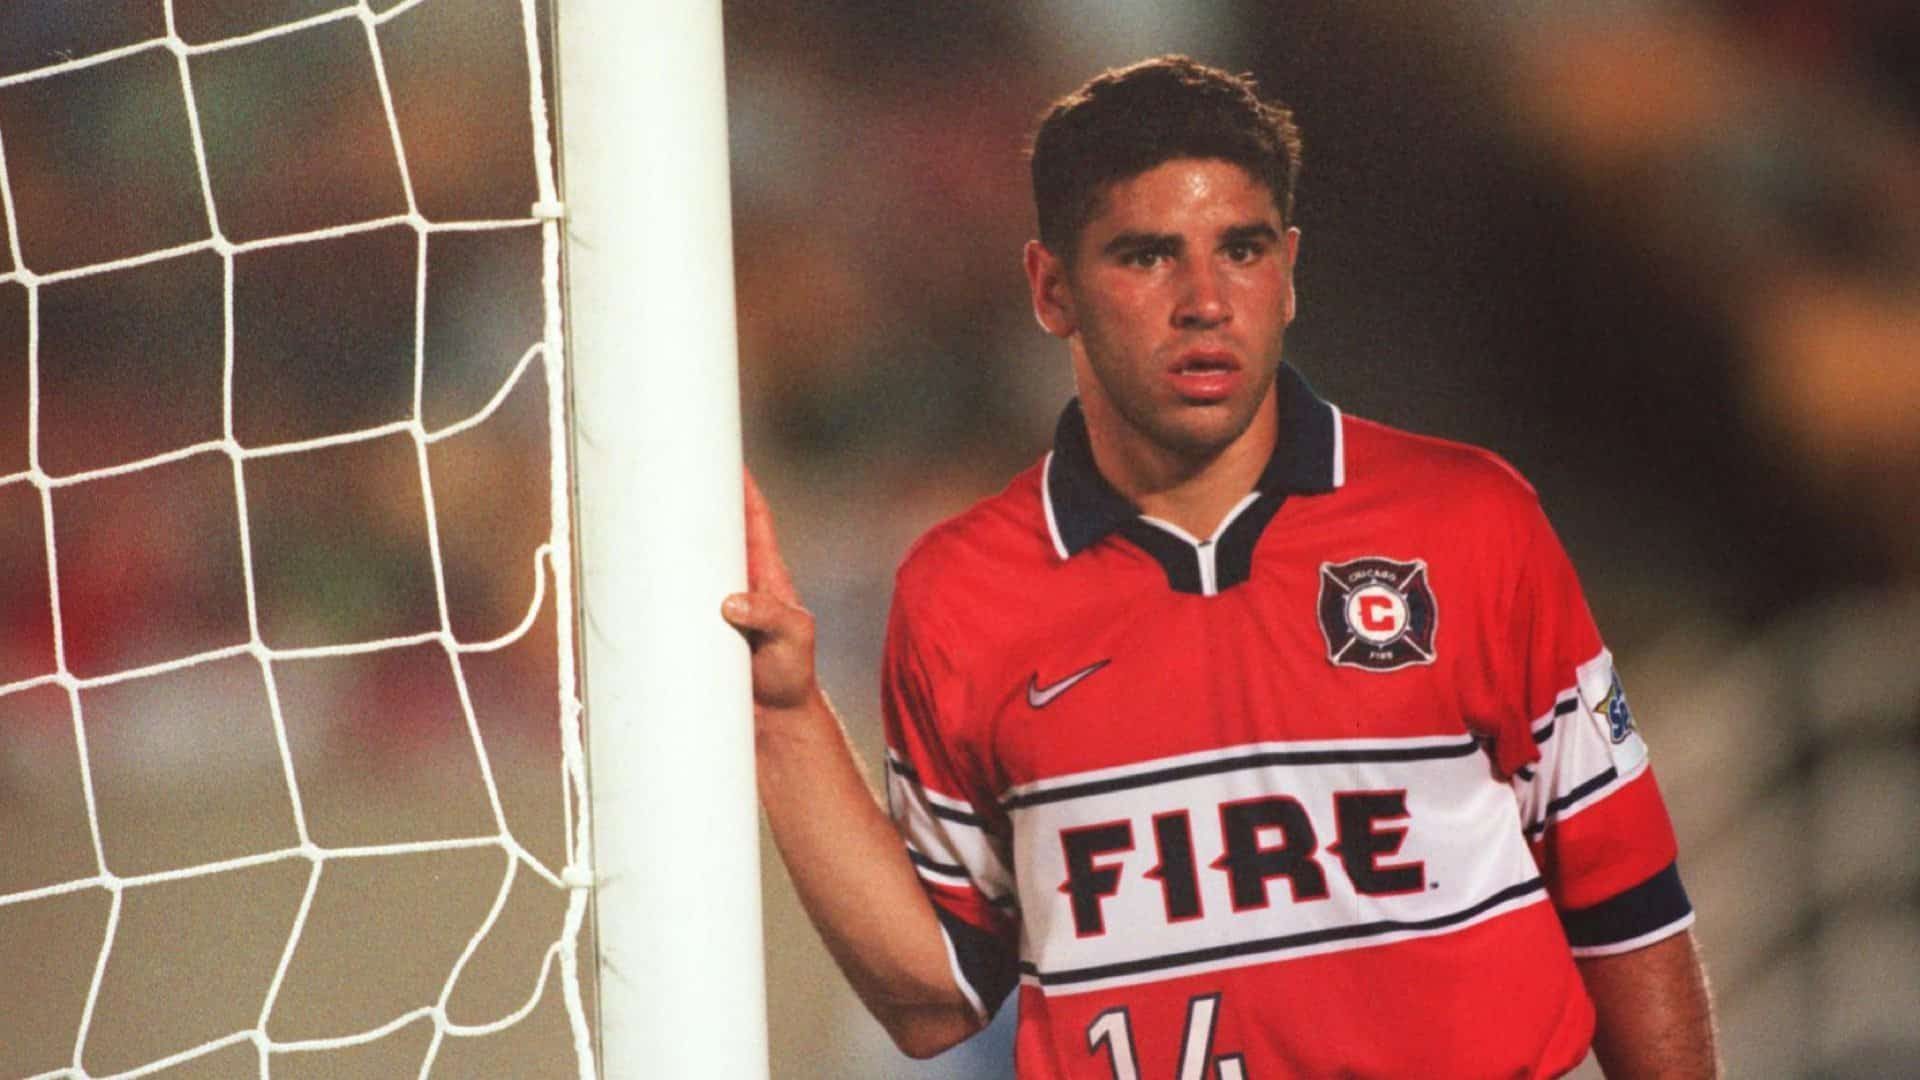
290 768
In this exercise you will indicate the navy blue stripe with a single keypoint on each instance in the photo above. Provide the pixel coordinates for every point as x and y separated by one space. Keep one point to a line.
1259 760
1656 902
950 869
1571 797
1278 944
985 961
906 772
960 816
1560 709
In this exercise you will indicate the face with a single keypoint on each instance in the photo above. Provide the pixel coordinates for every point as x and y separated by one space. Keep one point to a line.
1180 292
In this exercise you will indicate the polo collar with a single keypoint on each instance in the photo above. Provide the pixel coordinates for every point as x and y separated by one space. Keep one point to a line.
1082 507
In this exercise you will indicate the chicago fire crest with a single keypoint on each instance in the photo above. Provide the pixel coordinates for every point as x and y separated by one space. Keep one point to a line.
1377 614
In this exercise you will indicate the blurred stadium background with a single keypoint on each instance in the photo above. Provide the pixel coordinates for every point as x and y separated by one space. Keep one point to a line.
1663 256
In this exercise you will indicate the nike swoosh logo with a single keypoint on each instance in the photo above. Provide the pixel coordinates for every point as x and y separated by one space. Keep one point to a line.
1040 697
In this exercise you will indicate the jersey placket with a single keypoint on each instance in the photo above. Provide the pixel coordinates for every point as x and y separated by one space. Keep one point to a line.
1206 552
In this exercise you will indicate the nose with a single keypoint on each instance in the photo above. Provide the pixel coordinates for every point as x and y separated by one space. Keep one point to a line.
1202 300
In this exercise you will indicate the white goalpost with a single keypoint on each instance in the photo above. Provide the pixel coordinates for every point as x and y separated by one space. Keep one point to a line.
301 666
656 417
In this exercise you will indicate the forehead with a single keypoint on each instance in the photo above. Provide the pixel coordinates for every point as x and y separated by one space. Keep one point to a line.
1183 195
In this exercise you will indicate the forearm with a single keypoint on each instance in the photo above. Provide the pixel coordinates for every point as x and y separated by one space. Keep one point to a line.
846 861
853 878
1655 1019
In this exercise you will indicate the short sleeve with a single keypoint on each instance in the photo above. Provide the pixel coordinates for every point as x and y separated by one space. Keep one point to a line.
1590 808
953 831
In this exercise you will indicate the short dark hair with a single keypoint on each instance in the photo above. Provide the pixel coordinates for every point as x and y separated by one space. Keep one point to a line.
1127 120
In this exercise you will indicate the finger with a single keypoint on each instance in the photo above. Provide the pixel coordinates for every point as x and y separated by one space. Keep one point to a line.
739 612
766 568
760 613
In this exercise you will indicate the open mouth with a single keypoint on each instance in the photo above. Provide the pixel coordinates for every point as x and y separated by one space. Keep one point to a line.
1205 376
1204 364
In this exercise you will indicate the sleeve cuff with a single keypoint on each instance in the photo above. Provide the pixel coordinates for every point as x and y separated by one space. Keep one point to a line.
981 966
1656 908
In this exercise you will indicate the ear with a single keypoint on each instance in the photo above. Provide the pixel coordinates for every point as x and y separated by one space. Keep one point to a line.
1047 282
1289 251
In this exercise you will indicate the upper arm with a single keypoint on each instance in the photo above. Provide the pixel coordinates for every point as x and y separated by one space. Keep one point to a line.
1575 758
948 820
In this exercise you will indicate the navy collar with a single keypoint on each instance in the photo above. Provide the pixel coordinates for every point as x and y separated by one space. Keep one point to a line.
1082 507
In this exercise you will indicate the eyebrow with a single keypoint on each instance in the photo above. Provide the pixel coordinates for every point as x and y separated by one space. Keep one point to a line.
1135 241
1237 234
1241 234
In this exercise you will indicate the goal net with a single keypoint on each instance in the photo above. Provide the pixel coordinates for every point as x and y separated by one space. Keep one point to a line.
291 770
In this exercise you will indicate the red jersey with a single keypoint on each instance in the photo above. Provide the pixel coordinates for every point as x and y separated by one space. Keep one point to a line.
1340 790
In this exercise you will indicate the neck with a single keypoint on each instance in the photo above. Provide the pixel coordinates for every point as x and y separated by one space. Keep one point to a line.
1194 492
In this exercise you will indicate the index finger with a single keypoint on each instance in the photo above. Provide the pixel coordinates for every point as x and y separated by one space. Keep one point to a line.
766 568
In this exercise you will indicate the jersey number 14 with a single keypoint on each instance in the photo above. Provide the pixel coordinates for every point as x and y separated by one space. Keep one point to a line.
1113 1030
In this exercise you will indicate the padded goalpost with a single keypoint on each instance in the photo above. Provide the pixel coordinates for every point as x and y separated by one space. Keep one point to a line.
657 426
293 741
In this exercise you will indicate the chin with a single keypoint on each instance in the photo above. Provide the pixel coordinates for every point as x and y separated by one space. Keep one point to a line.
1203 431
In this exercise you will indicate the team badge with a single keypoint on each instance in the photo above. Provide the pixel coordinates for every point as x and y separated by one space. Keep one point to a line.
1377 614
1613 709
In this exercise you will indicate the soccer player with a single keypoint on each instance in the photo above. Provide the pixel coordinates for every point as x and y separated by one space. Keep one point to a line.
1244 738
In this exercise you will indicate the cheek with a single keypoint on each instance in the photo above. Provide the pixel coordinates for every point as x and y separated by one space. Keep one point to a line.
1125 315
1118 340
1265 283
1116 358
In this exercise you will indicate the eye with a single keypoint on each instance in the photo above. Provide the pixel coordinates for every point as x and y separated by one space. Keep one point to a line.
1245 251
1143 258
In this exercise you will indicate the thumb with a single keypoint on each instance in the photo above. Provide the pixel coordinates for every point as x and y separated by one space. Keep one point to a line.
758 612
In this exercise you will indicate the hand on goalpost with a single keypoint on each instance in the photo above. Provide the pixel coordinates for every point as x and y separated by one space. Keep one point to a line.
778 630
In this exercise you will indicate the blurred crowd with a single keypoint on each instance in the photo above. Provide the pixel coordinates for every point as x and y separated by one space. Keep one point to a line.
1663 256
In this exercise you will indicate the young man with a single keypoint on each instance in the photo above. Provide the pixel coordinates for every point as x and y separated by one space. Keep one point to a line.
1245 738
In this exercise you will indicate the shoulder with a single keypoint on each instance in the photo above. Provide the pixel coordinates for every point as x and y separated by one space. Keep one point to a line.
1458 498
1452 478
965 566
